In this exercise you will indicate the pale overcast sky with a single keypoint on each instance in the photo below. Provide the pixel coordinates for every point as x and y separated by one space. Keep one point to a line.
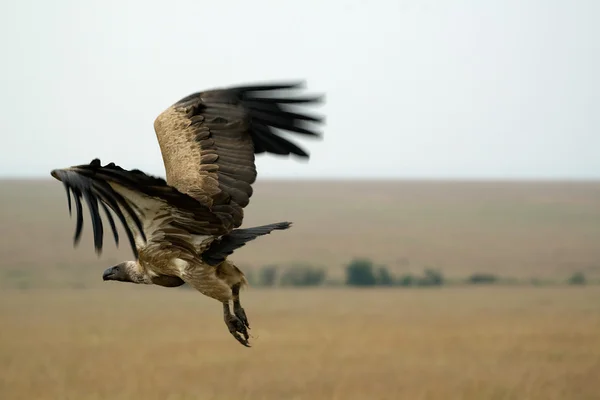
463 88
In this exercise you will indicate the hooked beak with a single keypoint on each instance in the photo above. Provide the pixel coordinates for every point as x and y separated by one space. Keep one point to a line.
108 274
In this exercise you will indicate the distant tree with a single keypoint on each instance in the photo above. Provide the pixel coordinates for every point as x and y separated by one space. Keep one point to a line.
578 278
303 275
359 272
384 277
268 275
251 277
407 280
482 278
432 278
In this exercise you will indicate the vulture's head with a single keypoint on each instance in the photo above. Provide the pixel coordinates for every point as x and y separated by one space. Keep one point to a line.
127 271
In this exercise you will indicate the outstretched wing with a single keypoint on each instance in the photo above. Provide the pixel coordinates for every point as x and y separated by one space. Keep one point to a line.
209 140
149 209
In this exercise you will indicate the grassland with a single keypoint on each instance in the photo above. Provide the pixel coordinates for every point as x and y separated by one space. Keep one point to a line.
449 343
68 335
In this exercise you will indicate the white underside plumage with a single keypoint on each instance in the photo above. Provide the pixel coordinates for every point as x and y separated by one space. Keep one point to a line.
156 215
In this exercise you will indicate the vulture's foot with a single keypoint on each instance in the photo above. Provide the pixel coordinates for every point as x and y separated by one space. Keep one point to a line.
236 327
240 313
237 306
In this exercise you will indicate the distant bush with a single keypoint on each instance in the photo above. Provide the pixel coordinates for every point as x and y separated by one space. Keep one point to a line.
407 280
359 272
482 278
267 276
578 278
251 277
303 275
432 278
384 277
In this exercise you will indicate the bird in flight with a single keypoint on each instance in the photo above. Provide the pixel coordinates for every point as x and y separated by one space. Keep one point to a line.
183 229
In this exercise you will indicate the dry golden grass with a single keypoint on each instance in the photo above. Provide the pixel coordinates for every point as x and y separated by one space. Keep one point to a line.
129 342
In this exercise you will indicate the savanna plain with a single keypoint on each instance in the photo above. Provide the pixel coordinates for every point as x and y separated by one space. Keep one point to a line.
65 334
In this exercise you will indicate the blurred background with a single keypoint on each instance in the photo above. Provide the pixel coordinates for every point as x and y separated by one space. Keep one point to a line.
446 227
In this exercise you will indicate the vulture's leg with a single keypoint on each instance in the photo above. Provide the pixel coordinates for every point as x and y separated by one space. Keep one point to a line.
236 327
237 306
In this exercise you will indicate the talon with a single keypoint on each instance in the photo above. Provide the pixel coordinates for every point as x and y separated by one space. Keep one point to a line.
241 314
237 329
237 323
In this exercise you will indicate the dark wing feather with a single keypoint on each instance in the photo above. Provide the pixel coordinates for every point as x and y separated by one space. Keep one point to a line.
133 197
209 140
220 248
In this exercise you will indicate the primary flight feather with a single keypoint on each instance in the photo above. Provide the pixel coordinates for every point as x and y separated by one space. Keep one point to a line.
182 229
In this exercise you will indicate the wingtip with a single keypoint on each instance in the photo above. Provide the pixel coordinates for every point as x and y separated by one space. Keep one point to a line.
270 85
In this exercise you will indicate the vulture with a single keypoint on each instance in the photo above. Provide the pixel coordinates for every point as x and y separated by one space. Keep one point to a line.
183 229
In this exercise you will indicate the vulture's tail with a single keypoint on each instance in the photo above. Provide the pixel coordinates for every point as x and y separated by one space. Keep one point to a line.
221 248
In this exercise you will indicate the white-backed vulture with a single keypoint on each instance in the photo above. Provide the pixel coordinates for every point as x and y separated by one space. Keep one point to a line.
183 229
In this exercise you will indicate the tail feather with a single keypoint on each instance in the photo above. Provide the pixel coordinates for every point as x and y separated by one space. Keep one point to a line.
227 244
